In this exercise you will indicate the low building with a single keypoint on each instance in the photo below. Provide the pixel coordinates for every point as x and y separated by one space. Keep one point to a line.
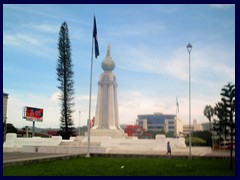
134 130
205 126
194 127
53 133
29 134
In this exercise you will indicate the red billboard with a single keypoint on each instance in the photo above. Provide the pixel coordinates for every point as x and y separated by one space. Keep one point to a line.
31 113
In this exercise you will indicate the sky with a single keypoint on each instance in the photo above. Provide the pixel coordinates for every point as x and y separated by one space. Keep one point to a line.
148 45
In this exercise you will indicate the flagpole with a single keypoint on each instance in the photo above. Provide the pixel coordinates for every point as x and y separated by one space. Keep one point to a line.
90 93
90 97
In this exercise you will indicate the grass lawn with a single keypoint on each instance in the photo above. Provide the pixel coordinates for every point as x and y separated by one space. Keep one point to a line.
125 166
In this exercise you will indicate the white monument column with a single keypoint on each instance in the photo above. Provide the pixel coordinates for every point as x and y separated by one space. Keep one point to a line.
106 118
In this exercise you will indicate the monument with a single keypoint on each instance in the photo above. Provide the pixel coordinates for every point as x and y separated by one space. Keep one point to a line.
106 117
106 135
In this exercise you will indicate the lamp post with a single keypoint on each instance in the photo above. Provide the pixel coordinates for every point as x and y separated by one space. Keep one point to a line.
79 121
189 48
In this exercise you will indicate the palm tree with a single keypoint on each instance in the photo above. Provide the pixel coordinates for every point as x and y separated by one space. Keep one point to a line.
208 112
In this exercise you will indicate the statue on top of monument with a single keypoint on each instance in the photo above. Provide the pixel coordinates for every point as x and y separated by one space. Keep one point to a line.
108 64
108 50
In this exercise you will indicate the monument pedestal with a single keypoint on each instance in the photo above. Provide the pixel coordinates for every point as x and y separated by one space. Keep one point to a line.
114 133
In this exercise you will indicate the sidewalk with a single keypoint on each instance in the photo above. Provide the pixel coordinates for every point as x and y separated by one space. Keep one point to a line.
19 158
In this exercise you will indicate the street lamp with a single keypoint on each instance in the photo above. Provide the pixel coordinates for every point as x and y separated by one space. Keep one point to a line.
79 121
189 48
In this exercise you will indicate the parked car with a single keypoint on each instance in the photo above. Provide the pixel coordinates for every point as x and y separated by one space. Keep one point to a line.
226 145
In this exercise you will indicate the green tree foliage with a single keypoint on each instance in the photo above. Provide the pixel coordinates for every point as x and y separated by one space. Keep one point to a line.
170 134
10 128
196 141
225 111
65 77
220 124
209 112
204 135
228 99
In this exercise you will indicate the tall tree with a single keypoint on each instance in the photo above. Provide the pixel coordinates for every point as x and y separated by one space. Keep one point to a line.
220 125
228 99
65 77
225 111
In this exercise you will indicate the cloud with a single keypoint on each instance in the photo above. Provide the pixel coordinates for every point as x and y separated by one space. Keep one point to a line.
140 29
55 97
167 9
131 105
81 105
45 11
16 102
38 39
32 44
140 59
177 66
51 105
46 28
221 6
7 68
34 10
227 72
51 29
209 59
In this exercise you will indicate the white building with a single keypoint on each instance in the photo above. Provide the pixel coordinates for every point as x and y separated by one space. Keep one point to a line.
5 99
194 127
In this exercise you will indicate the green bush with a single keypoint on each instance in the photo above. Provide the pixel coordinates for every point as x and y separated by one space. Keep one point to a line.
196 141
